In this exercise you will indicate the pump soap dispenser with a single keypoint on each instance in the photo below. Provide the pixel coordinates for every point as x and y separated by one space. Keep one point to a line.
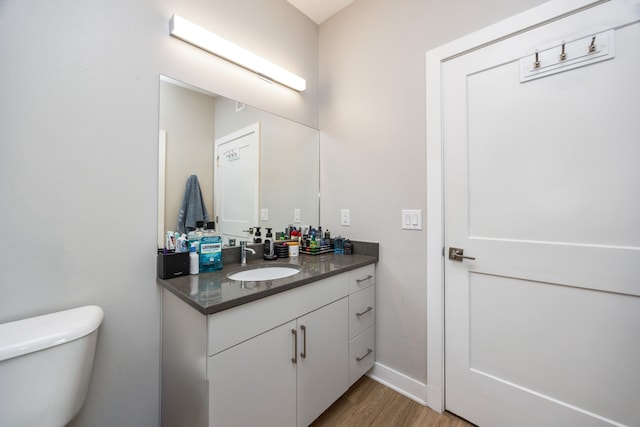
269 253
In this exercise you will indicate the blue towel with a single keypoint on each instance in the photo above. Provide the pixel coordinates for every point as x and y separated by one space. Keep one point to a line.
193 208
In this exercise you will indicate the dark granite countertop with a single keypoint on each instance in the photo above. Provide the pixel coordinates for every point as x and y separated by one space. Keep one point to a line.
213 292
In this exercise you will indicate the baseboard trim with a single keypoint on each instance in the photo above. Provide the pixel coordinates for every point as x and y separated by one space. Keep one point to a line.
399 382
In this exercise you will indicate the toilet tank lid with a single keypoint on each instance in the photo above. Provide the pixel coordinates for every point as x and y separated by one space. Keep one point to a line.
25 336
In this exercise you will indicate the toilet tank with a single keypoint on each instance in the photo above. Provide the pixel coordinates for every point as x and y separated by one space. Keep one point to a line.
45 366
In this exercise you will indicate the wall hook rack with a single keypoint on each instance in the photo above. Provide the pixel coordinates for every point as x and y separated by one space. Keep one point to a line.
545 60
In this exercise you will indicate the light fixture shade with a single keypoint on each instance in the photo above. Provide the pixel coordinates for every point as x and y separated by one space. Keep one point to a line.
204 39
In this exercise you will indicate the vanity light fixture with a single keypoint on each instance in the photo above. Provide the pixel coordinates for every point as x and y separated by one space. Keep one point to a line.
204 39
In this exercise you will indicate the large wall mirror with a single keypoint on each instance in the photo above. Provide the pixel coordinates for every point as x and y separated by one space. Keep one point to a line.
253 168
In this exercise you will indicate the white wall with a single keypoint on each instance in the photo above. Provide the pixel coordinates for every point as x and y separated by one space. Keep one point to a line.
78 161
373 148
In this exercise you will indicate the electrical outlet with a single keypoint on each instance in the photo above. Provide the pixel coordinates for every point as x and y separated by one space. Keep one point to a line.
296 216
345 217
264 214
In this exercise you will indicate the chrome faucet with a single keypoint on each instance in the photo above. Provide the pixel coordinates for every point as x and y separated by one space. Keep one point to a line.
243 252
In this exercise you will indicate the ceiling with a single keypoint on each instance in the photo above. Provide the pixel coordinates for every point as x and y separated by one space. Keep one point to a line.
320 10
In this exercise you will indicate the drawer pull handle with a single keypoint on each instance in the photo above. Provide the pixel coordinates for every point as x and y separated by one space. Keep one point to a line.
304 341
294 359
360 359
365 279
364 312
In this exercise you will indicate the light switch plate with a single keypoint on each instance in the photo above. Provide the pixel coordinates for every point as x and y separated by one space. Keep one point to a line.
412 219
264 214
345 217
296 216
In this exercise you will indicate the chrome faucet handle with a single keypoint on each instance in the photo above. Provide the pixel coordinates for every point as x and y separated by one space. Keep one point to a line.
243 252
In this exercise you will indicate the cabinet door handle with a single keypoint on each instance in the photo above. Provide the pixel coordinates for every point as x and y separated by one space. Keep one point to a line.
304 341
361 358
364 312
294 359
366 278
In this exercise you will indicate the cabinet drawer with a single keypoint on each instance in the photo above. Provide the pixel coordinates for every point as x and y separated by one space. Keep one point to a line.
361 354
361 311
230 327
362 277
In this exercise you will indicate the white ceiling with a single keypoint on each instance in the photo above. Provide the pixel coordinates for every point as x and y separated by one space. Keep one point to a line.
320 10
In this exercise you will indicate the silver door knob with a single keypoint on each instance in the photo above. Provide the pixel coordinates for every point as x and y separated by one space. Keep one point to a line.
456 254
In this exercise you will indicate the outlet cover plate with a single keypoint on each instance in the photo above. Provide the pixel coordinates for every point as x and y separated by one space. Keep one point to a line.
412 219
345 217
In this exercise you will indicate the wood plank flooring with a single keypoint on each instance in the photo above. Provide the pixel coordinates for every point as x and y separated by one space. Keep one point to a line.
368 403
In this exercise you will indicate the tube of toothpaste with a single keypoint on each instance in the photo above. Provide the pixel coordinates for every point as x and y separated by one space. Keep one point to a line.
169 242
181 243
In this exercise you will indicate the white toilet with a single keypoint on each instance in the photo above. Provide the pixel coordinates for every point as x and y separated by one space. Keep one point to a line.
45 366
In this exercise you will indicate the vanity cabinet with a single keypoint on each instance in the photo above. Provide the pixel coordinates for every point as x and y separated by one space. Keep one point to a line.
254 383
361 322
278 361
286 376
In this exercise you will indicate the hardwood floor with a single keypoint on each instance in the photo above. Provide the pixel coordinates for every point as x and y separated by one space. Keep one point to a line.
369 403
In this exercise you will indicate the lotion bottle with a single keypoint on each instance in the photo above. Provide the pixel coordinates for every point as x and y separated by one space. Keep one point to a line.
194 260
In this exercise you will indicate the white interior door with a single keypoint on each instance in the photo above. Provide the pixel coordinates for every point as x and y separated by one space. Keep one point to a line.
236 181
542 187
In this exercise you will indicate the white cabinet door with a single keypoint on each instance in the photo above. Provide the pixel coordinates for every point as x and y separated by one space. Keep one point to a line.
254 382
322 359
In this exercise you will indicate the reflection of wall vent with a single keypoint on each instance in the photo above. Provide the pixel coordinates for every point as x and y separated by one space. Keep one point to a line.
239 106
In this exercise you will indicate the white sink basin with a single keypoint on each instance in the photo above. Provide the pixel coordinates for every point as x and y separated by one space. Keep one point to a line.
263 273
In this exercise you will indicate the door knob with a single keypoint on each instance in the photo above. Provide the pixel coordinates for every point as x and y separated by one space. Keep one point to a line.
456 254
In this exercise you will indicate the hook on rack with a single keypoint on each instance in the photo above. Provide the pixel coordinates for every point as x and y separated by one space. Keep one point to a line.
563 54
592 46
536 64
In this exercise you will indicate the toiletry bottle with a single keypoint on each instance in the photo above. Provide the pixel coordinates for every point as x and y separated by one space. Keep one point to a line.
257 238
210 249
268 243
194 236
182 244
348 247
194 260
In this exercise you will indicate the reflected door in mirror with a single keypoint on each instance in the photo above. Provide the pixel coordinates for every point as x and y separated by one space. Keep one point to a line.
236 181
